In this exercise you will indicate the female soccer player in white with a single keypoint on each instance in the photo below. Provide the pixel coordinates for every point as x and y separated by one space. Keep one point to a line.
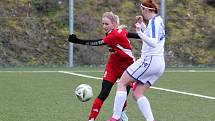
149 67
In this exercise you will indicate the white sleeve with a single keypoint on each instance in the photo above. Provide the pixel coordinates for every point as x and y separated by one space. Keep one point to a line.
150 41
143 26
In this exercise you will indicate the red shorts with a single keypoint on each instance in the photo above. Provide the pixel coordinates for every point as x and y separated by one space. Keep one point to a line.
114 71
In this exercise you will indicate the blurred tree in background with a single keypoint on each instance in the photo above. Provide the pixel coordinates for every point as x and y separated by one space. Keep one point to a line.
34 32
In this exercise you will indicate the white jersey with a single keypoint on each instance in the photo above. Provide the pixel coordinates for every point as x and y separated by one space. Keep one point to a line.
154 30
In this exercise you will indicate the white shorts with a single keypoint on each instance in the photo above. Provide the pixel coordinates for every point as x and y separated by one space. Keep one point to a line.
147 69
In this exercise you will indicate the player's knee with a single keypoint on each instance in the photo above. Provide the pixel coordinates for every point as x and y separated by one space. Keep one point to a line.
136 95
106 88
103 97
121 84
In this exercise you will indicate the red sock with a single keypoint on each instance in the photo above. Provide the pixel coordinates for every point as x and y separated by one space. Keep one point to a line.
97 104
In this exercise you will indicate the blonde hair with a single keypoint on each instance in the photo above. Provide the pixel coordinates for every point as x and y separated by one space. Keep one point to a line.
114 18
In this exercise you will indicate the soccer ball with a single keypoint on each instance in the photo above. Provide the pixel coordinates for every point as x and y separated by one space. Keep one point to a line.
84 92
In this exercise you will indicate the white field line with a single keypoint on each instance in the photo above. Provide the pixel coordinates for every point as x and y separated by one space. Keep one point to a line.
184 93
182 71
81 75
190 71
168 71
29 71
157 88
92 77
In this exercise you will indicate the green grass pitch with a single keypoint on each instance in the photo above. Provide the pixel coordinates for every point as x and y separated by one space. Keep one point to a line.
48 95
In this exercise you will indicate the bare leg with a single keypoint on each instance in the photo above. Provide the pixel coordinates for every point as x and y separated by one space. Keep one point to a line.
121 95
142 101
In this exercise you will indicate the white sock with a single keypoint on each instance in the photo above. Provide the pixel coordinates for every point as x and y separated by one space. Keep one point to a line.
119 102
145 108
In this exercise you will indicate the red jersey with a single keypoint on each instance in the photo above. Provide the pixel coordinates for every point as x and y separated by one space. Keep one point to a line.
120 55
119 46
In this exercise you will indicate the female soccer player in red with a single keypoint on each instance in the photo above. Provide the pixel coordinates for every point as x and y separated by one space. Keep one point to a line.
120 57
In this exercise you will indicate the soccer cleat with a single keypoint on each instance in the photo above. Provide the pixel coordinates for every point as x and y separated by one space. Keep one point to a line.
123 117
113 119
92 119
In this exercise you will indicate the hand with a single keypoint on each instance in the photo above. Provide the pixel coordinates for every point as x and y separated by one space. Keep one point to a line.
72 38
139 19
138 27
